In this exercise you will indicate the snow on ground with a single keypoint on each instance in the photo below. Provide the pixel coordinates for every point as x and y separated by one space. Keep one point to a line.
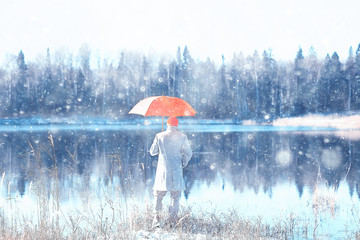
346 126
162 234
341 122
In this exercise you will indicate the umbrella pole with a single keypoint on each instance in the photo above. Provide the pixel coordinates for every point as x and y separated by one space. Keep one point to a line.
162 124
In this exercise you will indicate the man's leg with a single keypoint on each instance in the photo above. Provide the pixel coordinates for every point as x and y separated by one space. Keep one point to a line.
174 205
158 197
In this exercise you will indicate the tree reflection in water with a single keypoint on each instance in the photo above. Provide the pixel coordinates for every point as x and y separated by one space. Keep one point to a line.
260 161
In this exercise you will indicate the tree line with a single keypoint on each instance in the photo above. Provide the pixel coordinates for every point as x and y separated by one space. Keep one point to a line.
245 87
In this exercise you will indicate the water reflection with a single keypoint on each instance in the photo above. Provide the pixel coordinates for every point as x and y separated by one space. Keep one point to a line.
258 172
262 160
253 160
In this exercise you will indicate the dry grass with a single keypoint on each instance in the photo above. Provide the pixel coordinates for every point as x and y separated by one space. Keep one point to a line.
109 218
215 225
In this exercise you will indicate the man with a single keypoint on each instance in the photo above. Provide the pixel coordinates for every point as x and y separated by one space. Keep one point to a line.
174 154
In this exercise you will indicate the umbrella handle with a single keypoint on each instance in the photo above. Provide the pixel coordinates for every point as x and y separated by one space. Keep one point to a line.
162 124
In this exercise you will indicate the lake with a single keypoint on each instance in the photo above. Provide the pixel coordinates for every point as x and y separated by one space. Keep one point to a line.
262 171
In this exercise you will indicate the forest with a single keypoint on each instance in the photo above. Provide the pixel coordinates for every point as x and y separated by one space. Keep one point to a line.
254 87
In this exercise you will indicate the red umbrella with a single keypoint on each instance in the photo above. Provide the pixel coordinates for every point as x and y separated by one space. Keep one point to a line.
163 106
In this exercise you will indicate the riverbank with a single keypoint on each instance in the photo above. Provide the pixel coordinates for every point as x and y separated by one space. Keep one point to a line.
110 220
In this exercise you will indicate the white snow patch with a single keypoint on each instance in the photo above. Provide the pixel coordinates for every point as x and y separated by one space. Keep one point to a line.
162 234
347 126
335 121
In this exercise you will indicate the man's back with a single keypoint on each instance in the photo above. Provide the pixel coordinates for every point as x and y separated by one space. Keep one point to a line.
174 154
170 145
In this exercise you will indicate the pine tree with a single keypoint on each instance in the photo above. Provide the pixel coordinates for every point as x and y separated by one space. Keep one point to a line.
237 69
22 93
254 85
80 93
145 77
122 83
188 89
268 77
225 104
48 88
312 67
338 87
161 83
350 77
324 86
300 76
356 82
178 74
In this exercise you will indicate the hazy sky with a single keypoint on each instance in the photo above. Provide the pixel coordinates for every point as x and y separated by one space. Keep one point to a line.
209 28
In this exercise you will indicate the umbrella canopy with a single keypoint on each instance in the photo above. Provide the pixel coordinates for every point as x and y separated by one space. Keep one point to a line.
163 106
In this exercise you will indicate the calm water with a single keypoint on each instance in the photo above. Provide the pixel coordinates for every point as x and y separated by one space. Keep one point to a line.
267 171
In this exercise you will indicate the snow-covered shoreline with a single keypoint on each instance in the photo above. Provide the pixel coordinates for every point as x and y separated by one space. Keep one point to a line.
341 122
